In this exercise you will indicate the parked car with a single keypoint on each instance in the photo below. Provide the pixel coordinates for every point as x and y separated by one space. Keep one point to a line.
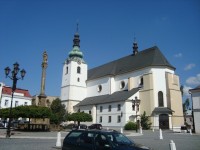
95 126
98 140
82 126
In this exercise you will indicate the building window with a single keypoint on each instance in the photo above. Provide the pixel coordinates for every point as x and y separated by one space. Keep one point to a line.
100 119
78 69
118 107
160 99
133 106
101 108
78 79
6 103
109 108
141 81
25 103
109 119
99 88
118 119
90 112
16 103
122 84
66 70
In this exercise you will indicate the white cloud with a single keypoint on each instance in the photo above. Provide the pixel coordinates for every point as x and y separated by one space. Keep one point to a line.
178 55
186 90
194 80
189 67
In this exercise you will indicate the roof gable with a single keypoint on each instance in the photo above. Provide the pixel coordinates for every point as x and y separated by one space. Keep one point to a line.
143 59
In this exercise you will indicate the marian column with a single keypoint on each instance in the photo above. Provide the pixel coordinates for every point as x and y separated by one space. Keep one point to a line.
42 96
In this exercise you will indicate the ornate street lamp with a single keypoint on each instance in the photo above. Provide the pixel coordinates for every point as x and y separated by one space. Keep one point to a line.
136 104
14 78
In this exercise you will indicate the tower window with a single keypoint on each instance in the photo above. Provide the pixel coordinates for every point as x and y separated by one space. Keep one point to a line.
66 70
78 69
160 99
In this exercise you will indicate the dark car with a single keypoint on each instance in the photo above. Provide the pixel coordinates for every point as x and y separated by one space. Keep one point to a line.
98 140
95 126
82 126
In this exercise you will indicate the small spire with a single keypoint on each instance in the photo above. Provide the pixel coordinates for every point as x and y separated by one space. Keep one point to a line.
135 46
76 40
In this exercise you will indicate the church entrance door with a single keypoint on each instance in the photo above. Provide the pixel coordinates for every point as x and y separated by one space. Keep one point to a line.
163 121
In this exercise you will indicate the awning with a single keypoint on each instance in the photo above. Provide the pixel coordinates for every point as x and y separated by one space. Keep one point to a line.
162 110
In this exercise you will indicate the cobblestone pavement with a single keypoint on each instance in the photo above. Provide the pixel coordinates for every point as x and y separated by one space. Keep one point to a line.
47 140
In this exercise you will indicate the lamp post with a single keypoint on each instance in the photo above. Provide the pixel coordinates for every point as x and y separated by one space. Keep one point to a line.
136 104
14 78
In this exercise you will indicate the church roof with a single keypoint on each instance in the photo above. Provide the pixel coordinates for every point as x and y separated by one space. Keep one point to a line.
151 57
108 98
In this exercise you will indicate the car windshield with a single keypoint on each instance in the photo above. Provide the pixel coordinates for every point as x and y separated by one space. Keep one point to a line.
119 139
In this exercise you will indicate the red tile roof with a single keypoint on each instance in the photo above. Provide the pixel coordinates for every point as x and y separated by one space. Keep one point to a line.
8 90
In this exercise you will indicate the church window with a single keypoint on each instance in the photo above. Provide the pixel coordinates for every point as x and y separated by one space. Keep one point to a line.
118 107
101 108
141 81
109 108
100 119
78 69
122 84
99 88
66 70
118 118
160 99
109 119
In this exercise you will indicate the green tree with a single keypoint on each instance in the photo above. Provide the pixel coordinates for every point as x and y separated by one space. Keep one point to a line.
145 121
79 117
58 112
186 105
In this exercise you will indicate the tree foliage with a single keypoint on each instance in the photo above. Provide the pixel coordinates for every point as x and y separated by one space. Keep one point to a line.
26 112
58 112
145 121
130 126
186 105
79 117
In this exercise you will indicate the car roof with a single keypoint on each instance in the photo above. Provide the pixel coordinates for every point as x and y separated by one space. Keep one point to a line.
97 131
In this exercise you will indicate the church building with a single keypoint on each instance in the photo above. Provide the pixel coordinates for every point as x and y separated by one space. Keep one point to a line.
121 90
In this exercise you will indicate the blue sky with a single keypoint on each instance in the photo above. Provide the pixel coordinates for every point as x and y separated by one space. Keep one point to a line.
107 29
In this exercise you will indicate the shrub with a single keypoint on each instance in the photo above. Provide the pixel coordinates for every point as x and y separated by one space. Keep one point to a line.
130 126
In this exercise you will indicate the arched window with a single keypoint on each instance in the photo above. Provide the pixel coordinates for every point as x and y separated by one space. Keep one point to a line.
141 81
160 99
78 69
78 79
66 70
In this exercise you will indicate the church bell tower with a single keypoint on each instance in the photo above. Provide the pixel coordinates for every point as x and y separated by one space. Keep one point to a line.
74 76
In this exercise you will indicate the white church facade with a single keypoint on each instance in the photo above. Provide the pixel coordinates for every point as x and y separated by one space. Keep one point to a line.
111 92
